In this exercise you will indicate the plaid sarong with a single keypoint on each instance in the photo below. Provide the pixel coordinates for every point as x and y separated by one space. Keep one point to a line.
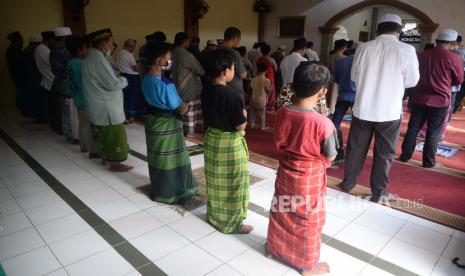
227 179
294 231
193 119
169 163
111 142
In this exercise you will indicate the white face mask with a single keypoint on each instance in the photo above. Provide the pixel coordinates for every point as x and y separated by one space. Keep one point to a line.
167 66
107 53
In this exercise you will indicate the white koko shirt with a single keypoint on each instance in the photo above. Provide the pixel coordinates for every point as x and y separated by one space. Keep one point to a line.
42 58
288 66
125 61
382 69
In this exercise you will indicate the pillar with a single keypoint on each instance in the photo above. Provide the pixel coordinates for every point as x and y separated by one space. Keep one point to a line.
73 12
191 20
326 42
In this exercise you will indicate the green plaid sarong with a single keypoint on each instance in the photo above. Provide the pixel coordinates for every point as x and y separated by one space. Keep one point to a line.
227 179
169 163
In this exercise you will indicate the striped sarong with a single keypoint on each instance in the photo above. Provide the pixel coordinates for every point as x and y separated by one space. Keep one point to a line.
169 163
193 119
227 179
111 142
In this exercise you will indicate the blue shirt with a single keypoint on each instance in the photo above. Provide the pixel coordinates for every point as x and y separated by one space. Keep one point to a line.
160 92
342 77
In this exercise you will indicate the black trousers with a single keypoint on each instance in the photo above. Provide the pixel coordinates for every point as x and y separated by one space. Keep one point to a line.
458 98
434 118
339 112
360 137
55 105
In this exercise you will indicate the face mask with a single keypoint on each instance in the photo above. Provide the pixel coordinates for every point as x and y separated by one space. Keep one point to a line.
167 66
107 53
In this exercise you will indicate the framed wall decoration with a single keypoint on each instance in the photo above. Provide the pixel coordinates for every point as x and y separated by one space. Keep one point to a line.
291 27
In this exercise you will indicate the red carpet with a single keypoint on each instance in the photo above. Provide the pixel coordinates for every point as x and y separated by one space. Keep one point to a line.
431 188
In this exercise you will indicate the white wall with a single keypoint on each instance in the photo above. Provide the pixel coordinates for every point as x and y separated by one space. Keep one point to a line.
354 23
447 13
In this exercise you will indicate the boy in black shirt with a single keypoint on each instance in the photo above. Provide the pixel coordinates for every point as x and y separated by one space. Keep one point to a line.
225 149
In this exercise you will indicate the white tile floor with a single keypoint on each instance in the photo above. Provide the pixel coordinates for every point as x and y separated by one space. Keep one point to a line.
40 234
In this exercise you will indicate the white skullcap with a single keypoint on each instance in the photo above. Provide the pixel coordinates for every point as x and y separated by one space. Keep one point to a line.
62 31
35 38
389 17
212 42
282 47
448 35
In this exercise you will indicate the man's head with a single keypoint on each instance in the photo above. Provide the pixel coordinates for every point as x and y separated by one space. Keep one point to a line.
130 45
232 37
300 44
62 33
195 41
158 36
282 48
76 46
242 50
389 24
48 37
220 64
340 45
35 40
310 45
102 40
158 54
181 40
16 38
212 44
446 38
256 45
265 49
310 80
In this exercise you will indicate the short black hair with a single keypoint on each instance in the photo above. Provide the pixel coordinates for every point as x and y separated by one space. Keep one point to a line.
218 61
310 44
388 27
232 33
74 44
339 44
309 78
180 38
265 49
256 45
242 50
262 67
158 36
155 49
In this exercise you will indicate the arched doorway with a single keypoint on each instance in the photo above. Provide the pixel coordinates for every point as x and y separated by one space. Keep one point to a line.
426 26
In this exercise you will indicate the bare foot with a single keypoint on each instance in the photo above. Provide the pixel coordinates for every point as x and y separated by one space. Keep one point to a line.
118 167
321 268
246 229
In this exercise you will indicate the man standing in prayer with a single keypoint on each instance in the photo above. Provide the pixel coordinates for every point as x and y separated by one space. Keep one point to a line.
156 36
32 84
440 69
290 63
253 55
133 97
61 88
42 59
104 96
13 60
186 73
311 54
232 39
382 69
278 56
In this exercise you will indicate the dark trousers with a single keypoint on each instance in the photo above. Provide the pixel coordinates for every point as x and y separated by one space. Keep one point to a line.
458 98
55 105
339 112
434 118
360 136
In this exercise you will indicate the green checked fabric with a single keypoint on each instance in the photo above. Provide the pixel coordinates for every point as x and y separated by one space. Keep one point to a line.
169 163
227 178
111 142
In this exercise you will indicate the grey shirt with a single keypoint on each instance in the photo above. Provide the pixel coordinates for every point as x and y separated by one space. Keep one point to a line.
186 73
236 82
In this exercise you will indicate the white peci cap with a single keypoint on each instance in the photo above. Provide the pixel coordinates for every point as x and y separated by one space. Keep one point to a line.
212 42
448 35
35 38
389 17
62 31
282 47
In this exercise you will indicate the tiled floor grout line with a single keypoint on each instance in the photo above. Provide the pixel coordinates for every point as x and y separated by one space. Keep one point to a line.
65 194
392 266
